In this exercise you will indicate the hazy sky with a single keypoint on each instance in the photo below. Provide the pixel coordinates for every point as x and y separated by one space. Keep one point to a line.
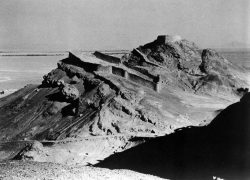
120 24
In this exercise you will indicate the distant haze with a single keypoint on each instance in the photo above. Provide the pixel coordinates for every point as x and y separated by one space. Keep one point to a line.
49 25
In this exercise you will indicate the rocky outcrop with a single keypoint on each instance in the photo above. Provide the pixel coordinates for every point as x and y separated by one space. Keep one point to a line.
54 77
104 90
33 151
199 71
209 58
70 92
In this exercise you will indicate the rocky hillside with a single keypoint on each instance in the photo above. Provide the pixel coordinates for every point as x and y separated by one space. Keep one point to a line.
93 105
181 63
217 151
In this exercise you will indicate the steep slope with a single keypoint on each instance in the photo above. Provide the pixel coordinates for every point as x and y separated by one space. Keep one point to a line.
93 104
220 149
182 64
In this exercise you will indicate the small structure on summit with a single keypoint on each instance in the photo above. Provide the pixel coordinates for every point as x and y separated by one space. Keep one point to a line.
163 39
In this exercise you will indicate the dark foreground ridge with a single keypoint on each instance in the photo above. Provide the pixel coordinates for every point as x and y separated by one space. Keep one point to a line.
220 149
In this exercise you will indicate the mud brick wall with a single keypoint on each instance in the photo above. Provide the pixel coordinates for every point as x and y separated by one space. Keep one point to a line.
141 81
73 60
137 79
154 84
118 71
106 69
161 39
107 58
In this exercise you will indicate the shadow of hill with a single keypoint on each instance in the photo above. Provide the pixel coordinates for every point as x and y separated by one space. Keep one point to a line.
220 149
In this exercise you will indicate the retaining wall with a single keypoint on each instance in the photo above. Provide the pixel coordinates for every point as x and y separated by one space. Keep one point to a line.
107 69
107 58
141 81
90 67
118 71
74 60
137 79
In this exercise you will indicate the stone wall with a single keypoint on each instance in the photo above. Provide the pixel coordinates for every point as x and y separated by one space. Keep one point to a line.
143 57
134 78
161 39
74 60
118 71
106 69
107 58
90 67
139 80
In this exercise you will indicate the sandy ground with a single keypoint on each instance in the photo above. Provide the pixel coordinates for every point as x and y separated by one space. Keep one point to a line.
7 92
34 170
73 151
248 80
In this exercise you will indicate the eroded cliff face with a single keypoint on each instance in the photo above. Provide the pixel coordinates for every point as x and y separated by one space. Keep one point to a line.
183 64
152 91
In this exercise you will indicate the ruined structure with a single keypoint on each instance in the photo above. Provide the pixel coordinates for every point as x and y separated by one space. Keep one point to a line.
108 65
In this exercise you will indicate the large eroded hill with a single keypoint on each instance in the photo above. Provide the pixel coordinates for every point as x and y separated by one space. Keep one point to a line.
96 104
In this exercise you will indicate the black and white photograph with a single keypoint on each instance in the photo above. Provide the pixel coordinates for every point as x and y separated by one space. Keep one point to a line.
124 89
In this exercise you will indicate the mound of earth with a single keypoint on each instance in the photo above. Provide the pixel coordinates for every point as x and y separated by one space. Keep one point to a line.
94 104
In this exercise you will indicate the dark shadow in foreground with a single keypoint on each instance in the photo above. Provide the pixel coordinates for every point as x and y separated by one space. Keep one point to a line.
220 149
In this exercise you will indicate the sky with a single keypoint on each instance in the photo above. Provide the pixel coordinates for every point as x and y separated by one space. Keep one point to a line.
48 25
